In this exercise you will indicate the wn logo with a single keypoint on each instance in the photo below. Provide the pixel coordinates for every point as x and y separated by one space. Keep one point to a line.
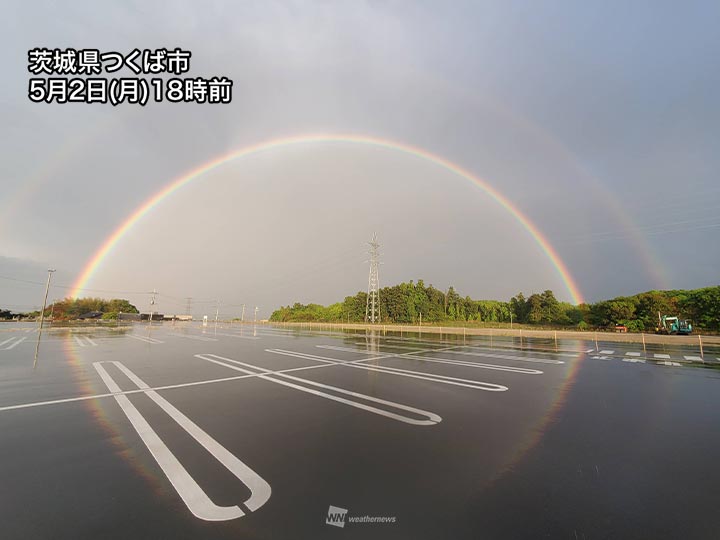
336 516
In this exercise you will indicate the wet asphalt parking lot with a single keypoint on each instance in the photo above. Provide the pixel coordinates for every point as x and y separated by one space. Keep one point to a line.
184 431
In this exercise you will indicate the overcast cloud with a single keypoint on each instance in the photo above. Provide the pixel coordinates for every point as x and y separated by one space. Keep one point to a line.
600 121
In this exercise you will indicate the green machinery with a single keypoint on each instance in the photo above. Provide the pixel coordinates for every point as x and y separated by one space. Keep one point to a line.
673 325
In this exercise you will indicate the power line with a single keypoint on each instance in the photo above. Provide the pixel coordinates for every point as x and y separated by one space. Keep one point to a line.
69 286
21 280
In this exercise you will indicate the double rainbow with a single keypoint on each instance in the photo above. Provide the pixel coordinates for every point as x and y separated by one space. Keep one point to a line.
111 241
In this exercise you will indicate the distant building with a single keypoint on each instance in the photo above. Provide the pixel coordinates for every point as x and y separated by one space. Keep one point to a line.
177 318
155 316
128 316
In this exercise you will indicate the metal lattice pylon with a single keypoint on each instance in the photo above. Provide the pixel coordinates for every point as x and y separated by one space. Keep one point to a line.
372 306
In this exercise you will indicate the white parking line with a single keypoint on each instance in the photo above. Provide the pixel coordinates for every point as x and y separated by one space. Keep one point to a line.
63 401
634 360
529 351
432 418
478 365
234 335
90 341
657 355
455 344
150 340
693 358
606 352
79 341
467 383
7 341
15 344
442 361
632 354
190 492
506 357
198 338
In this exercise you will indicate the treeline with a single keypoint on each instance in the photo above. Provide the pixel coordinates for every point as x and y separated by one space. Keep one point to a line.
640 312
72 308
407 302
404 303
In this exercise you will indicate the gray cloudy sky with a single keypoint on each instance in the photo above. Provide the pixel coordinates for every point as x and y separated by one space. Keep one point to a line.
599 120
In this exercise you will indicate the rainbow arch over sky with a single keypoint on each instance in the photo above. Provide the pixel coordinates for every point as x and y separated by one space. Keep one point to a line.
94 263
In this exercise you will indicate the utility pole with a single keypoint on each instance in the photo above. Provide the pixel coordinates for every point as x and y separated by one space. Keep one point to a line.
42 316
52 310
256 312
511 320
47 289
188 305
217 311
372 305
242 317
152 305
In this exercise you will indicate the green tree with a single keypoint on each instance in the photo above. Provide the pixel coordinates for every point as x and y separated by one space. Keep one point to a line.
519 308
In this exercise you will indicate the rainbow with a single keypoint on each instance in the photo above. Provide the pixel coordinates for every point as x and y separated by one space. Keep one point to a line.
96 260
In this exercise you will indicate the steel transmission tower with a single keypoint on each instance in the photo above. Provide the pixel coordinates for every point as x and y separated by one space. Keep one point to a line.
372 306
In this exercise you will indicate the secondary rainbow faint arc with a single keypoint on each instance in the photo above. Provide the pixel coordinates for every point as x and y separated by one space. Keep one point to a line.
96 260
